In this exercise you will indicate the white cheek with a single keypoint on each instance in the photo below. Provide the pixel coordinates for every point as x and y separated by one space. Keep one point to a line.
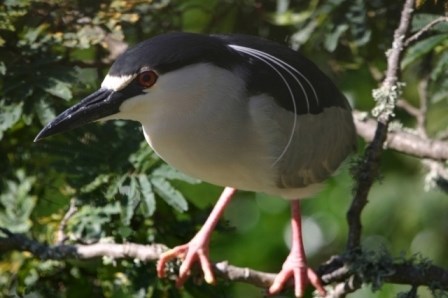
116 83
136 108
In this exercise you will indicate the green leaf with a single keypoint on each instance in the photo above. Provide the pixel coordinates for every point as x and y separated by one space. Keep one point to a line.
149 201
114 186
288 18
89 222
170 173
89 35
303 35
97 182
57 88
332 39
9 115
440 93
131 201
423 47
440 68
357 17
2 67
33 33
144 158
44 111
125 231
16 203
169 194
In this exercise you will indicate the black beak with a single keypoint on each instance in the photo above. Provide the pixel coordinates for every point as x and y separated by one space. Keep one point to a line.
102 103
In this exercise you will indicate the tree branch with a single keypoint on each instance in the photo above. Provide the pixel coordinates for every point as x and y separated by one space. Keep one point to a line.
409 108
396 52
402 141
60 234
337 269
386 95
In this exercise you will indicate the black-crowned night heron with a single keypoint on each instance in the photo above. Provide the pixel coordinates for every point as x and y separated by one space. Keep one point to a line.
237 111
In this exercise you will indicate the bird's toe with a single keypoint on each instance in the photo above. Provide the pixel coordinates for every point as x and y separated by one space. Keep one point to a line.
301 276
167 256
190 254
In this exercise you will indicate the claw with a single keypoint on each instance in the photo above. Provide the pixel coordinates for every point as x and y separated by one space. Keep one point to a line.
167 256
189 253
197 249
302 276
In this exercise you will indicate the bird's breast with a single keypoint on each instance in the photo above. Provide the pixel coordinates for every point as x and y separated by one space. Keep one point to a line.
218 154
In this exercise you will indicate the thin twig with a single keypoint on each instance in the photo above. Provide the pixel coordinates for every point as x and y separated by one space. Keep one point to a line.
60 234
408 107
415 37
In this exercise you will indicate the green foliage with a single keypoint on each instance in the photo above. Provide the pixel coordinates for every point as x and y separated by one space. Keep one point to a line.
52 53
429 56
16 203
10 115
423 47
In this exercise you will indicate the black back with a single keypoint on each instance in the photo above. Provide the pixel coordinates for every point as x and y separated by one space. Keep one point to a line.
264 79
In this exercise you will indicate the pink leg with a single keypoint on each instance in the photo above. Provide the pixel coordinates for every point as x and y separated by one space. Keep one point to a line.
295 265
197 248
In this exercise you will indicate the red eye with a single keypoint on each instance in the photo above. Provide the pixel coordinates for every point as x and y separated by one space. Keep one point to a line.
147 78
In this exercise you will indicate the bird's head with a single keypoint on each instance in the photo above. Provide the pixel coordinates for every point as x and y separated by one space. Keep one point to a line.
152 70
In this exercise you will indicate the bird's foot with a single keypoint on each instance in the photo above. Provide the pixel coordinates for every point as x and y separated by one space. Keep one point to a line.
197 249
194 251
302 275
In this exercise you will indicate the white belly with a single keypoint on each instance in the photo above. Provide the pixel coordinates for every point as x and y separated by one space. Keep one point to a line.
219 156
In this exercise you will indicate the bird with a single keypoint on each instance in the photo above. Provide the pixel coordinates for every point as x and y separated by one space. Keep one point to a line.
234 110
